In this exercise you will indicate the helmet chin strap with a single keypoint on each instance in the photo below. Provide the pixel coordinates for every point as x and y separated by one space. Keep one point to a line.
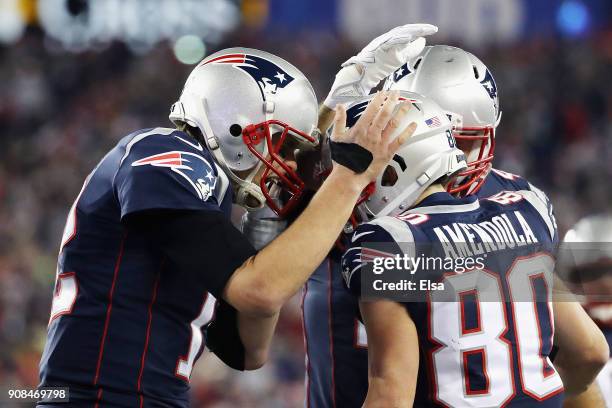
247 191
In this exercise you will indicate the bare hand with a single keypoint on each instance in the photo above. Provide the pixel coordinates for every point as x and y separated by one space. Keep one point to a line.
373 130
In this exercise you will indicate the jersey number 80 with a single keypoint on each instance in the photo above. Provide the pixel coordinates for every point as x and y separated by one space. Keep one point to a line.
455 345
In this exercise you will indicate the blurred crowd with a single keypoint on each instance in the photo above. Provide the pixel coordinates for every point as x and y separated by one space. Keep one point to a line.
60 113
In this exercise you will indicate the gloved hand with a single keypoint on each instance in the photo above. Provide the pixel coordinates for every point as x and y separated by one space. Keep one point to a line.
376 61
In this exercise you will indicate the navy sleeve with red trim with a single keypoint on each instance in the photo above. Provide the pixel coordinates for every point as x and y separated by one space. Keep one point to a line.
166 172
361 251
498 181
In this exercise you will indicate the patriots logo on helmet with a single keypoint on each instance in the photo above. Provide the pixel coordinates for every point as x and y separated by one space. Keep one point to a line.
192 167
355 111
401 72
269 76
489 85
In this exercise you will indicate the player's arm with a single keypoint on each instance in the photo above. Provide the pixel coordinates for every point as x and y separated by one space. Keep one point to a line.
582 347
265 281
393 354
204 243
254 285
590 398
241 340
393 348
326 117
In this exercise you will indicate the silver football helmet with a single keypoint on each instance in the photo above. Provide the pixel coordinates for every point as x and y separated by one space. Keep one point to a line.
251 107
588 244
464 87
585 261
429 155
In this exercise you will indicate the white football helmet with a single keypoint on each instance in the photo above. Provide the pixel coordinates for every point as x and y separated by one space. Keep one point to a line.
588 245
464 87
250 107
585 261
429 155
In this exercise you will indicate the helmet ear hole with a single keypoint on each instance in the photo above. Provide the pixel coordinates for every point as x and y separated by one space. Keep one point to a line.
235 130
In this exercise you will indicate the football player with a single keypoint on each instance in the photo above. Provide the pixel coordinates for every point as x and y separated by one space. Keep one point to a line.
149 255
465 88
588 244
336 354
456 80
479 336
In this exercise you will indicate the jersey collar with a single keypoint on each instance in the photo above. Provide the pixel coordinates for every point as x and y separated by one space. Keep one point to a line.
443 202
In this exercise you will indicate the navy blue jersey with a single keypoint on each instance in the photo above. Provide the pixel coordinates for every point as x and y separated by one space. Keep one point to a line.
334 336
125 328
335 340
487 345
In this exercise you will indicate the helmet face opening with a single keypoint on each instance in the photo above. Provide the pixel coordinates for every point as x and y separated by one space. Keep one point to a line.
478 143
281 141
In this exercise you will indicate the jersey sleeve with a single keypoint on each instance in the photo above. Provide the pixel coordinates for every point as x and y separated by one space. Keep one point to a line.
540 201
204 244
163 172
504 181
379 238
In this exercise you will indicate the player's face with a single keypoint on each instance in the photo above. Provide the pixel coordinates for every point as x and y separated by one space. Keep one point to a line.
278 172
466 145
478 145
273 177
287 155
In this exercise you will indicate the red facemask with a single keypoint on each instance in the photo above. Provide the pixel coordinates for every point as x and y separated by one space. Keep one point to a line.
472 178
285 139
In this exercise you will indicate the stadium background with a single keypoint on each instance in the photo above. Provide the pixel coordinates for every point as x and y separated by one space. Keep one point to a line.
77 75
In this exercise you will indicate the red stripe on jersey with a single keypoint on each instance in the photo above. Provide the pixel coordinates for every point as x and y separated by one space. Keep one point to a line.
109 309
148 335
331 334
308 373
98 398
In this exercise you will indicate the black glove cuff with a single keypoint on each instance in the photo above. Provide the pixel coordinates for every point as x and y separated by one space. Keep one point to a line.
351 155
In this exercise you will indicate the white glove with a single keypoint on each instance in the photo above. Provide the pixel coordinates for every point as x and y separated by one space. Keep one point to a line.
376 61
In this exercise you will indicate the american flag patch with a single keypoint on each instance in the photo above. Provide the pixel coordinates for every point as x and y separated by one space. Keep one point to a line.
433 122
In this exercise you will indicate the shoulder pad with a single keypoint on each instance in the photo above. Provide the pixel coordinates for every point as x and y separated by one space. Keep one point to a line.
543 206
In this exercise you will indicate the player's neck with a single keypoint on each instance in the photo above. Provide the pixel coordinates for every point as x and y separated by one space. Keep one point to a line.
434 188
